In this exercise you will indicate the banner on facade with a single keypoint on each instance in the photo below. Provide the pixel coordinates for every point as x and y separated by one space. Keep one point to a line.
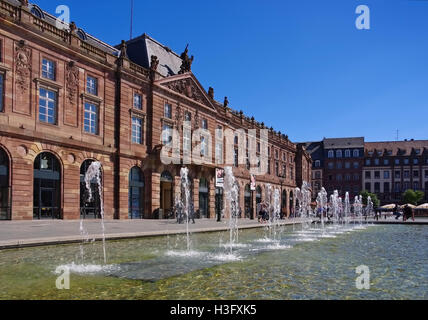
253 183
219 178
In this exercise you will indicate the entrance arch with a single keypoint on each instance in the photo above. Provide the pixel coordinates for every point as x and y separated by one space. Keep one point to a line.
136 194
248 202
203 198
47 187
89 208
165 195
5 190
284 203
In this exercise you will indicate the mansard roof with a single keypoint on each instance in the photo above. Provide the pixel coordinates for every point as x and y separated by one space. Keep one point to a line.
397 148
141 49
343 143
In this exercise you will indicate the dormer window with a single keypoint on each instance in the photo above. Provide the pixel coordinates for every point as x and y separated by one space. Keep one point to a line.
36 11
81 34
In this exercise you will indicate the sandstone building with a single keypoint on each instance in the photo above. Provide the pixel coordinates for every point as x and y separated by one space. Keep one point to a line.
68 99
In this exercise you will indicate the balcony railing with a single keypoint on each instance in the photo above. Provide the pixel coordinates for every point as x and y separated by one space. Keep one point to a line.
8 9
138 69
51 30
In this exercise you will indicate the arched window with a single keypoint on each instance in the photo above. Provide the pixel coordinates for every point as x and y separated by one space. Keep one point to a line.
203 198
90 207
331 154
81 34
284 200
47 187
136 194
339 154
292 209
5 212
248 202
347 153
356 153
166 198
35 10
317 163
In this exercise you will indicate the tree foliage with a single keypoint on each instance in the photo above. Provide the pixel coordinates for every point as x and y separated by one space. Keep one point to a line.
413 197
365 194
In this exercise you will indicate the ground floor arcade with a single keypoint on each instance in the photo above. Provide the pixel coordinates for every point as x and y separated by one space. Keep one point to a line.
44 181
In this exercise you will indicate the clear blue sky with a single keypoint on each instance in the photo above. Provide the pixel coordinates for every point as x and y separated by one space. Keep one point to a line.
300 66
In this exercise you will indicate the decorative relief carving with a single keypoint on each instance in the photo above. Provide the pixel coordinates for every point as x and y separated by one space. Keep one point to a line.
187 87
72 81
22 65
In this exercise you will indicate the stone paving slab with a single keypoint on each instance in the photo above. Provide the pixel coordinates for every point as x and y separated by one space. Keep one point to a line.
18 234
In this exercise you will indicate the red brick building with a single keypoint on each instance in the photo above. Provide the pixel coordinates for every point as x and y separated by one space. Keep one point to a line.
68 99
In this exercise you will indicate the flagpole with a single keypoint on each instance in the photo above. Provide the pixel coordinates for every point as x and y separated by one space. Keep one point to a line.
132 17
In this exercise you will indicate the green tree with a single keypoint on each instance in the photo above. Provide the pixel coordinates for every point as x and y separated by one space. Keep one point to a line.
413 197
365 194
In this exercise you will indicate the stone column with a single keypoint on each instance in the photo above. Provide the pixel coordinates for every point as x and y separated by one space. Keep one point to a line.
71 183
155 193
196 194
211 205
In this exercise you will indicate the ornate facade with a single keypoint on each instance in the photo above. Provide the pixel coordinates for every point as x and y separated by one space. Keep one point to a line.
68 99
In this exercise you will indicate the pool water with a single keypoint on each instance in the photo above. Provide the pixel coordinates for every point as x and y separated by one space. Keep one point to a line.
304 264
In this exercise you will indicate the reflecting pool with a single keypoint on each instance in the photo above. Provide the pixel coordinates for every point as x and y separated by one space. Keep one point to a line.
310 263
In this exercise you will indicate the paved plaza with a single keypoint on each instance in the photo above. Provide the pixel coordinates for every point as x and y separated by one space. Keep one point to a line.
16 234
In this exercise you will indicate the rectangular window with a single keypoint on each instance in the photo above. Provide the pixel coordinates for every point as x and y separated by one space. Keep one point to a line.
416 174
48 69
168 111
138 101
92 85
219 145
347 165
236 157
377 187
204 124
397 162
397 187
368 174
204 146
166 134
397 174
386 174
426 173
368 162
406 174
368 187
386 188
47 106
356 165
137 130
415 161
377 174
386 162
277 169
91 118
1 92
